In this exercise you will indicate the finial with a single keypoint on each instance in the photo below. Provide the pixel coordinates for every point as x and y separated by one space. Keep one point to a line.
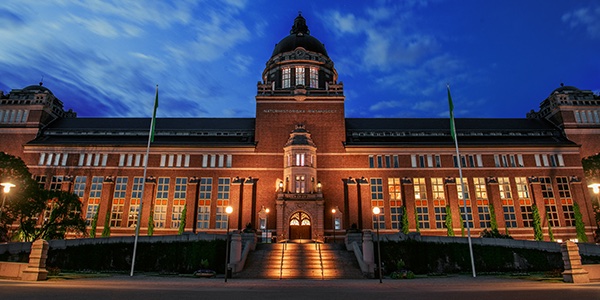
42 81
300 27
562 84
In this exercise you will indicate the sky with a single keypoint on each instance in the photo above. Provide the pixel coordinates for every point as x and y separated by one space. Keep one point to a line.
105 58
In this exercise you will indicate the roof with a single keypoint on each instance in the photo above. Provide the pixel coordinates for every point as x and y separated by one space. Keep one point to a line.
135 131
299 38
436 132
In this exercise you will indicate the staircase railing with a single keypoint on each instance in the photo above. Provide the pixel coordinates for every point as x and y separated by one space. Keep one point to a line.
282 258
318 246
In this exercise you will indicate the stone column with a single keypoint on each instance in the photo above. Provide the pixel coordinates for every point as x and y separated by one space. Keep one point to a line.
235 251
368 253
36 269
574 273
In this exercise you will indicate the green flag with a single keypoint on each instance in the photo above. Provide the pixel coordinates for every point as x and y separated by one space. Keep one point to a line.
154 116
452 130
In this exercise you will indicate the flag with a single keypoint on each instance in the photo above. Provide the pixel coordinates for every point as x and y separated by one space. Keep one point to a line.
154 116
451 106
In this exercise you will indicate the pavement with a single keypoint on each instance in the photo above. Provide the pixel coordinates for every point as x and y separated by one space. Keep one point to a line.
158 287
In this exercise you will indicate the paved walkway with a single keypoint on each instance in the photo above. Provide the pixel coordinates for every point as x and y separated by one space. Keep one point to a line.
150 287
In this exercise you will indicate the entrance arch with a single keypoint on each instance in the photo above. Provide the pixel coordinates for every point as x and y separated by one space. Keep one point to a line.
300 226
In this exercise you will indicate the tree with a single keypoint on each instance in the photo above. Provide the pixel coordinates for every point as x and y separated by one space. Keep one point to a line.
106 230
38 213
151 223
591 169
538 235
493 222
579 225
94 224
404 221
550 232
417 221
449 221
183 220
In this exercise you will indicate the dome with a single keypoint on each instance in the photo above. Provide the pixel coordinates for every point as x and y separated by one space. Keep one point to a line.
566 89
37 89
299 37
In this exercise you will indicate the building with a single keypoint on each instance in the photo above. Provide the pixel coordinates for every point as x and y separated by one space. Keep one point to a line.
301 169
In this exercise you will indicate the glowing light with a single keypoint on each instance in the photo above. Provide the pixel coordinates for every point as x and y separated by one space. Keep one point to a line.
595 187
7 186
376 210
333 211
229 210
267 210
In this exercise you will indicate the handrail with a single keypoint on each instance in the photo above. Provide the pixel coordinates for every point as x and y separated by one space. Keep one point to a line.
318 245
282 257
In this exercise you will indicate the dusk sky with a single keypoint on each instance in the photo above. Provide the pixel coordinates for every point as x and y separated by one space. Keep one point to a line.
104 58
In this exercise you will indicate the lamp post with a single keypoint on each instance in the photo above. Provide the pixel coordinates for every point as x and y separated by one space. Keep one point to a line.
228 210
333 223
267 237
7 186
596 189
376 212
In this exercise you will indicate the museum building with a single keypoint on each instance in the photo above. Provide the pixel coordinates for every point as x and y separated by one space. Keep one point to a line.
302 170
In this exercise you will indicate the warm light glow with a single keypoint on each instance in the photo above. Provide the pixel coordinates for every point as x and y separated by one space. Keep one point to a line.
7 186
319 184
333 211
267 210
376 210
229 210
595 187
281 184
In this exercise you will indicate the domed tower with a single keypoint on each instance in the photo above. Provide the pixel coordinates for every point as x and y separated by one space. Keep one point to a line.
299 85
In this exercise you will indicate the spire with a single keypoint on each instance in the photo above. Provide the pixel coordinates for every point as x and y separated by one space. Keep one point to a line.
300 27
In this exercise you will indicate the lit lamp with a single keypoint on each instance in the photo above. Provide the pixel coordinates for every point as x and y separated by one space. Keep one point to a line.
7 186
376 212
228 210
319 186
596 189
267 210
281 186
333 222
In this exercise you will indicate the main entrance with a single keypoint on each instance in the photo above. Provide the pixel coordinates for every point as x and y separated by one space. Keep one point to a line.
300 226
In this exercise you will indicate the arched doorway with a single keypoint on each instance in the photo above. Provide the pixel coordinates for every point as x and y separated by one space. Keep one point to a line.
300 226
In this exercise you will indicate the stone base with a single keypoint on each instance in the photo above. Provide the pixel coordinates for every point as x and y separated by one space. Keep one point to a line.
576 276
34 274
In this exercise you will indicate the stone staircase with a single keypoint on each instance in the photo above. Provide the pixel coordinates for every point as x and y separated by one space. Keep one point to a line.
301 261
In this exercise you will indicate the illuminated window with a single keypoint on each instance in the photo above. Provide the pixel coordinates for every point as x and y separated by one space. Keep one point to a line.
480 190
205 193
314 77
178 201
222 202
160 204
286 76
395 199
116 214
459 189
134 203
300 76
377 201
300 184
437 186
93 199
420 188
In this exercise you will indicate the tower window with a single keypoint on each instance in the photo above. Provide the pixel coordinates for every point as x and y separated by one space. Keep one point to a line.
299 75
314 77
286 77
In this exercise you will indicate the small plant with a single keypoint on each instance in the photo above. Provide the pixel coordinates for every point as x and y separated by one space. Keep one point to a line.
94 225
537 224
448 221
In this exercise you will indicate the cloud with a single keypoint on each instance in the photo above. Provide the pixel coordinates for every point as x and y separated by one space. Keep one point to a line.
588 18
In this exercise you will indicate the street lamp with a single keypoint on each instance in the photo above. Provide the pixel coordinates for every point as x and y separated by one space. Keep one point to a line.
267 237
228 210
333 222
376 212
7 186
596 189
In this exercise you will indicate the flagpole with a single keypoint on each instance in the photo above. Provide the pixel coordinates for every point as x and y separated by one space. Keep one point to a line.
462 183
139 216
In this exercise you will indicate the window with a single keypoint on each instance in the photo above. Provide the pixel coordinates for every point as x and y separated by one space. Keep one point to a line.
568 211
56 183
116 215
483 212
178 201
563 187
286 76
79 187
420 188
459 188
222 202
205 193
314 77
160 204
522 188
440 213
469 161
93 199
41 180
526 212
508 208
395 199
504 186
300 76
546 185
134 202
300 186
480 190
377 201
468 219
422 213
552 212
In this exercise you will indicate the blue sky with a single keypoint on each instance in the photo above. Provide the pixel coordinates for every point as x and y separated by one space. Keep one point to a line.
104 58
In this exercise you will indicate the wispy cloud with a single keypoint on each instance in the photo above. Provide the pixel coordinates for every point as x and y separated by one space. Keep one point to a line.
587 17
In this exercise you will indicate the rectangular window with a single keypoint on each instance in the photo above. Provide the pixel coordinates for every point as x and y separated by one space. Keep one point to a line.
93 199
300 184
178 201
522 187
79 186
526 212
222 202
480 190
563 187
118 203
437 186
422 213
396 162
420 188
546 185
134 203
314 77
377 201
459 188
469 213
371 161
395 198
161 202
568 211
483 211
286 76
41 180
552 212
56 183
510 218
205 193
504 186
439 210
300 76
